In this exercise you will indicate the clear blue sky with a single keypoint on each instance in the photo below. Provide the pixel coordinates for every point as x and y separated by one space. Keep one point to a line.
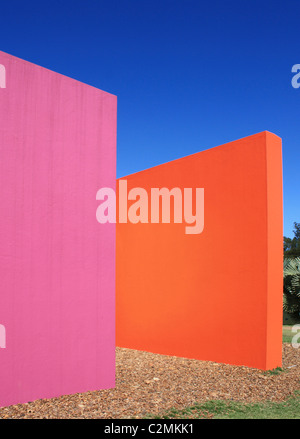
189 74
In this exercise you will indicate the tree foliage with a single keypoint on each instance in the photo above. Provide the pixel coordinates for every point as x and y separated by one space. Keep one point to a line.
291 281
291 246
291 285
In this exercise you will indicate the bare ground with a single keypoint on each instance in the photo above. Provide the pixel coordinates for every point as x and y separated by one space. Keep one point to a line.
151 383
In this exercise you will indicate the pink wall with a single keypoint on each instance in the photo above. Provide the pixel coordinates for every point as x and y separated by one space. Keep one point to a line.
57 264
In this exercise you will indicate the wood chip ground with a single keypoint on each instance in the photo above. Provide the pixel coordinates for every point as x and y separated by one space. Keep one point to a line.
151 383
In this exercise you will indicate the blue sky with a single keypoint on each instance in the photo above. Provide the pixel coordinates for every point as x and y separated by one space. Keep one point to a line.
189 74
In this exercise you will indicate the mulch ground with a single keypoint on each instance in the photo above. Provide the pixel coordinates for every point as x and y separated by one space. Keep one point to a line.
151 383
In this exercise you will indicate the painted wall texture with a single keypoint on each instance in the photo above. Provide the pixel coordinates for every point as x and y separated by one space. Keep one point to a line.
57 265
216 295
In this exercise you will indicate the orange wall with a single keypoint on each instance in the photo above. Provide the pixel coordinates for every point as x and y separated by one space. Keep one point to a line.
216 295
